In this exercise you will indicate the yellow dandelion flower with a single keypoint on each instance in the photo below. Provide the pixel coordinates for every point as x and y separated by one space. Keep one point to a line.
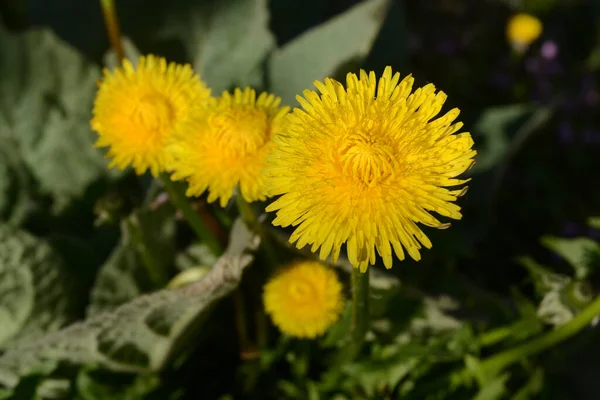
226 145
523 29
365 165
304 299
138 108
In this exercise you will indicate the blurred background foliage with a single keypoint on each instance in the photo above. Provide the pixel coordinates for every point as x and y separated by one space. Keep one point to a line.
74 236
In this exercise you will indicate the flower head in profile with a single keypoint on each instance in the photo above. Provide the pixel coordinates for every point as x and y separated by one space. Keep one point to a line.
137 109
522 30
365 165
304 299
226 144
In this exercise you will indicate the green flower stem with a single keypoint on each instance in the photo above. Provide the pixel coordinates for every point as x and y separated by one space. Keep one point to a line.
179 200
249 217
494 336
112 26
502 360
240 319
268 251
156 272
246 212
360 309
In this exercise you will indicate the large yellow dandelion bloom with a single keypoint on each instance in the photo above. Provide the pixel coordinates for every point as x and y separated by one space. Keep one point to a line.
226 145
523 29
304 299
365 165
138 108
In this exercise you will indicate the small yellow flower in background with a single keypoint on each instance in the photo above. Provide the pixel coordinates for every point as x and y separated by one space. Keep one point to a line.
365 165
523 29
138 108
304 299
226 145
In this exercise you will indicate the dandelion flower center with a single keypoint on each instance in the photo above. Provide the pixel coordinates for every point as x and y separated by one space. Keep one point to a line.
301 292
242 131
366 157
304 299
153 113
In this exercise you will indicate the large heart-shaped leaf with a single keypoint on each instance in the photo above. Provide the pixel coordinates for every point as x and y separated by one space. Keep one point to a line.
227 40
326 50
46 95
141 335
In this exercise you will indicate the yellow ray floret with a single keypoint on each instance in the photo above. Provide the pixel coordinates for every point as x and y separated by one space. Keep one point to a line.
365 164
304 299
138 108
226 145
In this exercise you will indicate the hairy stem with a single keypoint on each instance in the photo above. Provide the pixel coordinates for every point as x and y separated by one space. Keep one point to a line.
112 26
179 200
360 308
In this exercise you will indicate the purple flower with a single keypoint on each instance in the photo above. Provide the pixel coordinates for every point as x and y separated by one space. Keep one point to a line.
549 50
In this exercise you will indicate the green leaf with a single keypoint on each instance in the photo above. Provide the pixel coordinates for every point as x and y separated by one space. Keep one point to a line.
124 275
384 288
53 388
227 40
577 252
543 278
15 184
493 389
188 276
410 355
553 310
494 127
100 385
339 333
63 159
196 255
376 376
328 50
436 315
141 335
594 222
532 388
35 293
46 95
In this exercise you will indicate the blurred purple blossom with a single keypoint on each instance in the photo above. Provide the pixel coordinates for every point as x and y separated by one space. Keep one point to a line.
549 50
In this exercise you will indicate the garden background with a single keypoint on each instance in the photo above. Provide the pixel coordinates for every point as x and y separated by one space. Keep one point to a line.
521 264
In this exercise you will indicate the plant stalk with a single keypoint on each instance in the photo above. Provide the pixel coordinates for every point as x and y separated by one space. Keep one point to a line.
360 309
268 252
251 220
180 201
155 271
502 360
112 27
